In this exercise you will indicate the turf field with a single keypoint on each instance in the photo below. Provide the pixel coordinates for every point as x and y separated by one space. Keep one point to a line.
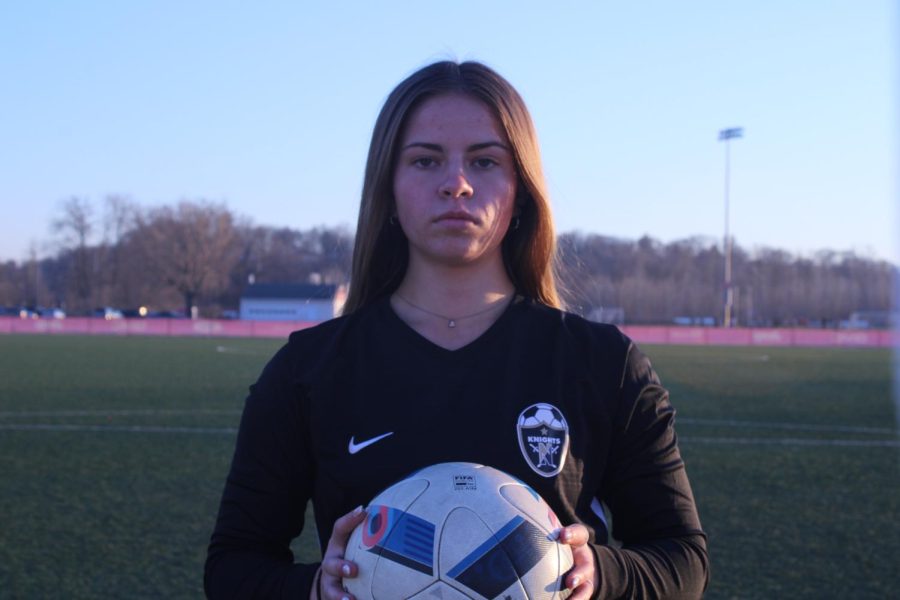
113 452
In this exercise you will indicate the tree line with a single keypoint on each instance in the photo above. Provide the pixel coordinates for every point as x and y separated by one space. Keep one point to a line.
201 254
659 283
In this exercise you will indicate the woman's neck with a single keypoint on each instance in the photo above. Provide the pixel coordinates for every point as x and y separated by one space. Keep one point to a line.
455 291
452 307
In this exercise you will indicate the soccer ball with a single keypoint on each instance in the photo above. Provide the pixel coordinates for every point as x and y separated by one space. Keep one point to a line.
458 530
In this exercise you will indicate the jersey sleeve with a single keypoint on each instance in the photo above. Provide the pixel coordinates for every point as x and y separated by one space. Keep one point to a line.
265 496
663 552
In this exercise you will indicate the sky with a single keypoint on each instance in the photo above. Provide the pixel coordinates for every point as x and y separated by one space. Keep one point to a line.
268 107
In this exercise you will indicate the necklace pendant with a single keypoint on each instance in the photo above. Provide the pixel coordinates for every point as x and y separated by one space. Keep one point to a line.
451 323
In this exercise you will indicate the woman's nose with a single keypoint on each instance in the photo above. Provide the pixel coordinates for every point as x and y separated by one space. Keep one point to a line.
456 186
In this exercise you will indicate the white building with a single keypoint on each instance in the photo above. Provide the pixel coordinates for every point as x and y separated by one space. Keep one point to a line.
292 302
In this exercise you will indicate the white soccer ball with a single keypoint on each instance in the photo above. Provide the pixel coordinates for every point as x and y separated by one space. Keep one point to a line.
454 531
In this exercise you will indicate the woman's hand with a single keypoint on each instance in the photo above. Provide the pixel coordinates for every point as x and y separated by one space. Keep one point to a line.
582 577
334 568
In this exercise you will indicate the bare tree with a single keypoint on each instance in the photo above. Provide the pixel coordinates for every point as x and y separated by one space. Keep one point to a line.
11 291
192 248
120 217
75 229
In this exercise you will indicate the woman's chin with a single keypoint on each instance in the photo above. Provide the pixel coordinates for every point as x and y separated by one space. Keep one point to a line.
459 256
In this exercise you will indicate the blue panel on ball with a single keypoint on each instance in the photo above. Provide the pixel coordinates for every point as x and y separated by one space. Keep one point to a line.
503 559
410 541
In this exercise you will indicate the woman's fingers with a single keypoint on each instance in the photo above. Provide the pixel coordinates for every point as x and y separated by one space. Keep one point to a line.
581 578
338 567
574 535
333 590
345 525
334 567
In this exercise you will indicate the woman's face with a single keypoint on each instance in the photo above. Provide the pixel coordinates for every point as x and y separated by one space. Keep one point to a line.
454 182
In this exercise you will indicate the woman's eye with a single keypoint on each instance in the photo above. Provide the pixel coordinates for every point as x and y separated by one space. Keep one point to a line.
484 163
424 162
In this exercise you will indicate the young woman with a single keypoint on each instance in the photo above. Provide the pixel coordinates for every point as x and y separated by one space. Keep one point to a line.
453 347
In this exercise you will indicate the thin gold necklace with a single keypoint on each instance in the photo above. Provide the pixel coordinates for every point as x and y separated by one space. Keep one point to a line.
451 321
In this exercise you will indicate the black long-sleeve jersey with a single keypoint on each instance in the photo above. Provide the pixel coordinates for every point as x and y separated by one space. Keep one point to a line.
350 406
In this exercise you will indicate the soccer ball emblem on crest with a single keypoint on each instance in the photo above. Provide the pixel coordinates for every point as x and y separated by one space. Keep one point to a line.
543 438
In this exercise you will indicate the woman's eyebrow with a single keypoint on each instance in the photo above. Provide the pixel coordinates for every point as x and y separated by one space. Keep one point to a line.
483 145
472 148
426 145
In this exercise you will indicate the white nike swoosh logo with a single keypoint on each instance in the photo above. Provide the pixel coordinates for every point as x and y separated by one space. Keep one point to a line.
354 447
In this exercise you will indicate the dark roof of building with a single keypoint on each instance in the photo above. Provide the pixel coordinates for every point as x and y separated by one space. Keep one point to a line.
297 291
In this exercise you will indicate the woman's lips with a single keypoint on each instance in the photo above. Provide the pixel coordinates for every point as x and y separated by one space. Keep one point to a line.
456 215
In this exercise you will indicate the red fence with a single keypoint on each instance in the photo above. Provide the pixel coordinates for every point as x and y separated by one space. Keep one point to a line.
280 329
715 336
176 327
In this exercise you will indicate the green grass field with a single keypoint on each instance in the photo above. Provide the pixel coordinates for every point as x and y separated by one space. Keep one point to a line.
113 453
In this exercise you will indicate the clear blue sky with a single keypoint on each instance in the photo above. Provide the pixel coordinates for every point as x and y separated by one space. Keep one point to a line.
268 107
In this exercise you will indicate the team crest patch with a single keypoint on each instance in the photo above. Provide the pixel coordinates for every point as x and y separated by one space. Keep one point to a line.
543 438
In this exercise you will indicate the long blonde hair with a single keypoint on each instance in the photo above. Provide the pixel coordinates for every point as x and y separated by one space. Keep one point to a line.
381 252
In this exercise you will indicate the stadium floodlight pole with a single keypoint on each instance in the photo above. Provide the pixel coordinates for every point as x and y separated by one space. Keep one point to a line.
725 135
